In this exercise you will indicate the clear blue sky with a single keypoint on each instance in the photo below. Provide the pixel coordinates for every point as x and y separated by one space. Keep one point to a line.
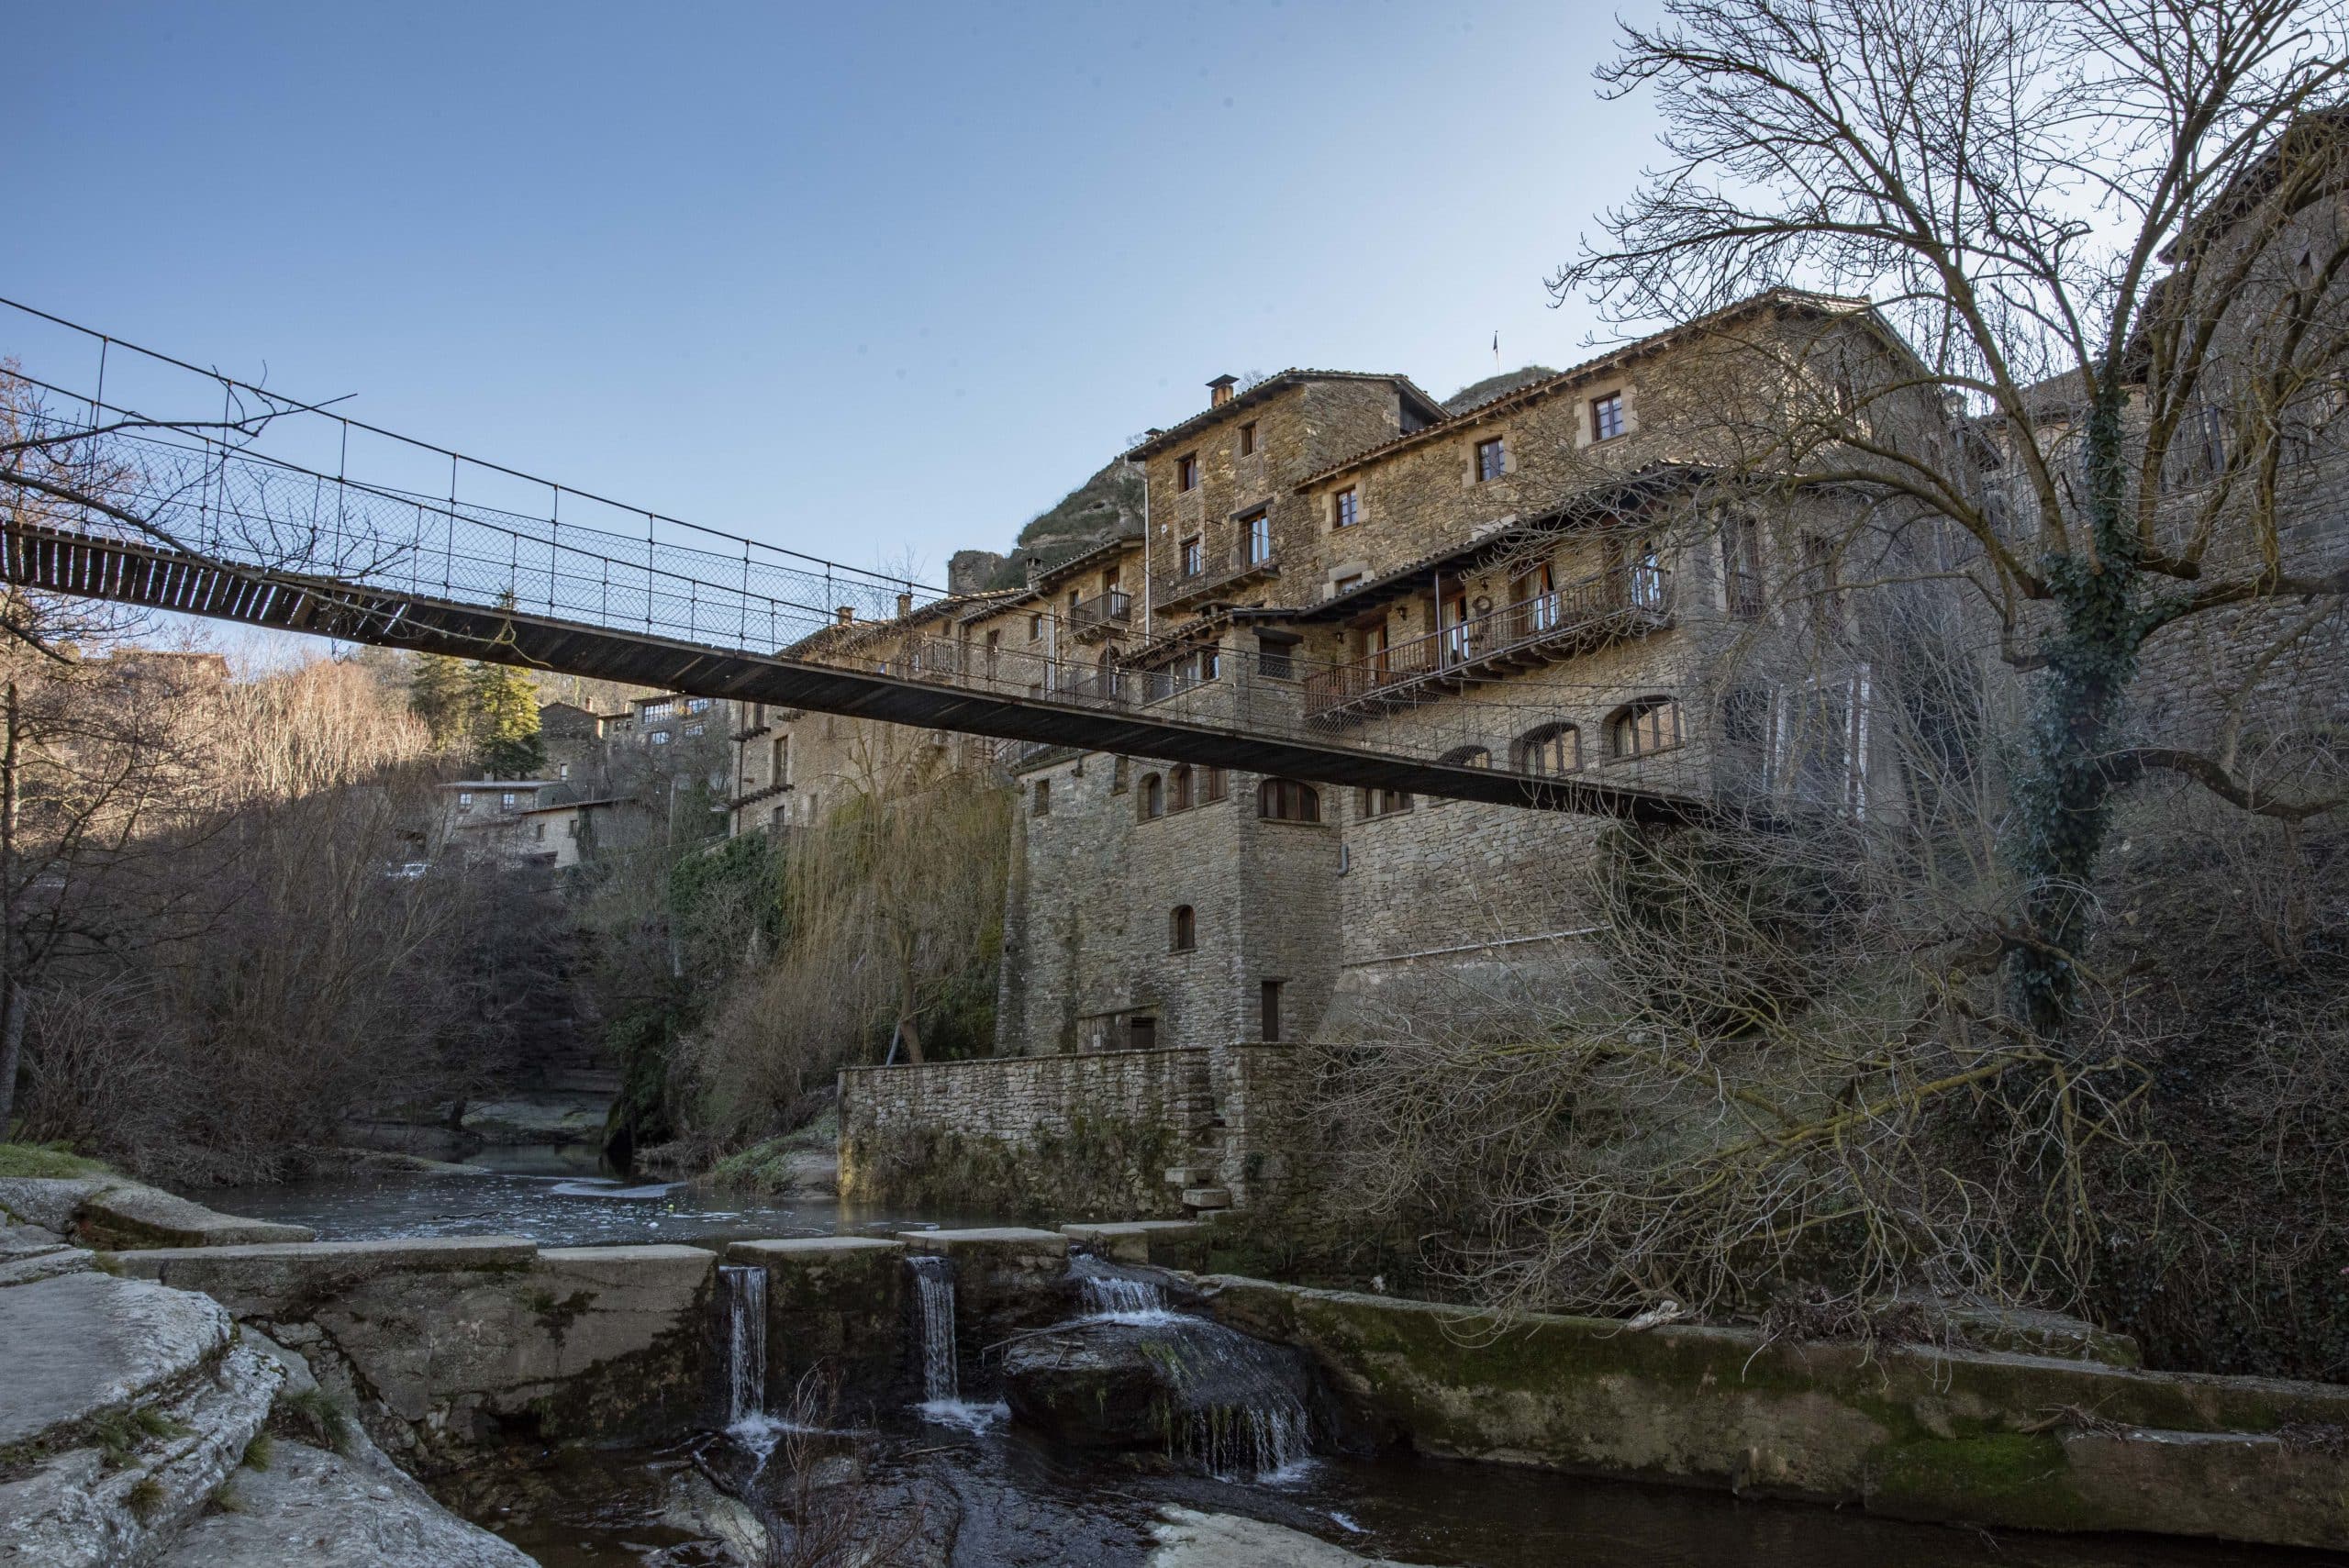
863 279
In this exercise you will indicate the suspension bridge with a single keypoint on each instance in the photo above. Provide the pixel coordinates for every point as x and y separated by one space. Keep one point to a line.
254 507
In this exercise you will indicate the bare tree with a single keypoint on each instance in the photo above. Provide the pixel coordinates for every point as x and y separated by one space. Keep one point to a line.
2110 229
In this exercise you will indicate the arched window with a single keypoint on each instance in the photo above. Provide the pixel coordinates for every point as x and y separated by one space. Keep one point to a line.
1550 751
1178 788
1286 800
1637 728
1152 795
1182 930
1212 786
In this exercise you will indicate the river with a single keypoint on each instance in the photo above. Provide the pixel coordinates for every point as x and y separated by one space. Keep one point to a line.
996 1496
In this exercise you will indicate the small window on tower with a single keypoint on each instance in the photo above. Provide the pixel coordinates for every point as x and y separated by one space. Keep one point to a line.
1606 416
1492 459
1346 508
1186 471
1248 438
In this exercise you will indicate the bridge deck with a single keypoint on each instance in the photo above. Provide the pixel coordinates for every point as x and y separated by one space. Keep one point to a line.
98 565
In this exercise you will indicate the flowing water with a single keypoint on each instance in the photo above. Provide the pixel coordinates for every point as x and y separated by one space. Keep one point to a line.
745 1291
995 1495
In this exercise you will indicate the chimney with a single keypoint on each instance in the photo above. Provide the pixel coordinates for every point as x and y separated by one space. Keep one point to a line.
846 615
1219 390
905 605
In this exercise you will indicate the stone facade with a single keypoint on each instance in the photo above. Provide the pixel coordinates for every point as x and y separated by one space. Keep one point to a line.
1107 1134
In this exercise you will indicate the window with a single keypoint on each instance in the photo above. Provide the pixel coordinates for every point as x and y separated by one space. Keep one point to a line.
1186 471
1822 583
779 817
1345 584
464 800
1741 566
1550 751
1369 803
995 652
780 761
693 728
1345 508
1040 803
562 770
1248 438
1036 627
1286 800
1492 461
696 705
509 800
1210 663
1178 788
658 737
1141 1033
1606 416
1213 786
1182 930
1194 559
539 831
1268 1012
1119 783
1649 725
1276 657
1154 797
1256 538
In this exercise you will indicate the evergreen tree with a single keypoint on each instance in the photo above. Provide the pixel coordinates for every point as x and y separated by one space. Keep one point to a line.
504 707
439 693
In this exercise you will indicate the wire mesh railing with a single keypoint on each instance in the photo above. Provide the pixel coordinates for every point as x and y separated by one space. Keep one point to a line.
274 488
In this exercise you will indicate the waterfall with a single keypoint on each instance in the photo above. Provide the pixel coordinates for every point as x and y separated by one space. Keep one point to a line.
745 1290
1242 1411
1118 1298
934 1305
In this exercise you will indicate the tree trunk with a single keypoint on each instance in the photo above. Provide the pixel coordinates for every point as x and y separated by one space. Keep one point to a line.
12 1047
2063 799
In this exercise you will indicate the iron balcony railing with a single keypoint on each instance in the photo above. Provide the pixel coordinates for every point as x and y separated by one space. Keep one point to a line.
1624 601
1247 558
1114 608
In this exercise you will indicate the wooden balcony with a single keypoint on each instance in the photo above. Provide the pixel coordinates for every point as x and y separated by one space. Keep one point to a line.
1626 602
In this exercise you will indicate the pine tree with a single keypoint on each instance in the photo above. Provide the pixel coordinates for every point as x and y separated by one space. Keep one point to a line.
439 693
504 707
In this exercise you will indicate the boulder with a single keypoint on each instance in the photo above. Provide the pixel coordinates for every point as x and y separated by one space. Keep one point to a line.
1188 1539
107 1211
1191 1387
86 1345
311 1506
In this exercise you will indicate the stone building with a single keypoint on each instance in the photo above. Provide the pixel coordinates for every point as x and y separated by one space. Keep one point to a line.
1544 581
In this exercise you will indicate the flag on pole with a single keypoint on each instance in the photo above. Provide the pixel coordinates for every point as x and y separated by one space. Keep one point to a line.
1496 350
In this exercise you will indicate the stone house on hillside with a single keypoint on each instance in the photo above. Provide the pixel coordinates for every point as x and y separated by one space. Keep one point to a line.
1545 582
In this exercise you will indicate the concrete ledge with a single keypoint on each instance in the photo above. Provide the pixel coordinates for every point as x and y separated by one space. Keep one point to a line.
269 1280
1973 1437
997 1246
1177 1243
794 1249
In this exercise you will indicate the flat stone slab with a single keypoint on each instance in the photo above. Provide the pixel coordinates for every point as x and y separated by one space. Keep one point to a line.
109 1211
260 1279
136 1215
311 1506
807 1248
81 1344
1129 1240
987 1240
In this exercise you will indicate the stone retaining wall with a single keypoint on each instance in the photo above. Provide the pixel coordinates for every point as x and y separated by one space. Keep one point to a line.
1909 1432
1099 1135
